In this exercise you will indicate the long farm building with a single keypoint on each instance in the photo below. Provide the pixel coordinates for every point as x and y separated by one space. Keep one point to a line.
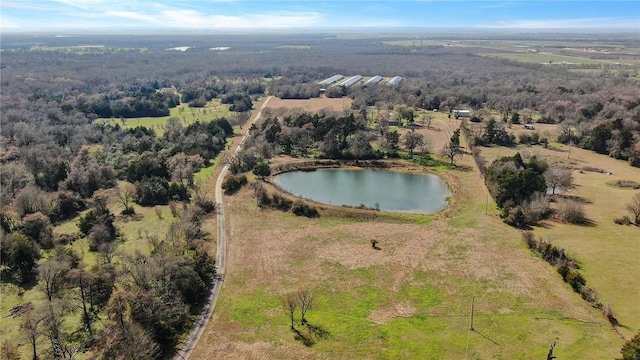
330 80
350 81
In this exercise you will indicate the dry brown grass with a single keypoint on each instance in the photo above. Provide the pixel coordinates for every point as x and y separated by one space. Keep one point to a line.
521 302
311 105
464 254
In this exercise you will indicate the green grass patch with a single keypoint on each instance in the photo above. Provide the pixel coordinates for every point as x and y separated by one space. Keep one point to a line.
540 58
203 175
188 115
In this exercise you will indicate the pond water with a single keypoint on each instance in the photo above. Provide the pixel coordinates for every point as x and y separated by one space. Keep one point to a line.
390 191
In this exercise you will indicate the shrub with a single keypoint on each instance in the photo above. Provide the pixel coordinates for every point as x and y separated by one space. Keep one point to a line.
625 220
608 313
576 280
631 349
281 203
302 209
516 218
536 209
262 197
173 207
571 211
233 183
530 239
206 206
129 210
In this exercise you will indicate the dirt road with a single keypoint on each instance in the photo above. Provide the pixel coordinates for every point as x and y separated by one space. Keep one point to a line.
198 328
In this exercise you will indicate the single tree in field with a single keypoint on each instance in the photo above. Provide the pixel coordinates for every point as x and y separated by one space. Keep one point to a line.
451 151
558 178
634 208
305 300
290 303
412 140
126 194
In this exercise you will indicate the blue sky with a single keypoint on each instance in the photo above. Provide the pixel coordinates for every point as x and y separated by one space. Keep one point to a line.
127 15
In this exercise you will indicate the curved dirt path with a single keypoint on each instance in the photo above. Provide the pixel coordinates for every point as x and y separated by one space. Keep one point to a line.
191 341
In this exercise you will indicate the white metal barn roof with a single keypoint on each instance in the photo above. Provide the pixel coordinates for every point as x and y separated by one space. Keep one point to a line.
374 80
352 80
330 80
395 80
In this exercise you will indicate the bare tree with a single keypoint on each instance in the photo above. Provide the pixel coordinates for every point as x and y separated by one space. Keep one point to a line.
107 251
81 277
451 151
290 303
126 194
634 208
305 300
53 329
52 275
558 178
30 327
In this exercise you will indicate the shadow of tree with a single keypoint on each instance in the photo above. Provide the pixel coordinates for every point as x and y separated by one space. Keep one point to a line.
305 340
311 334
318 331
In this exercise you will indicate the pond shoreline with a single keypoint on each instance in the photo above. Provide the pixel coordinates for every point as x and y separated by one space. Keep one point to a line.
393 204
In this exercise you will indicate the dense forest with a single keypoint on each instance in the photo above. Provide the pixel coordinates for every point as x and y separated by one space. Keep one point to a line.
59 164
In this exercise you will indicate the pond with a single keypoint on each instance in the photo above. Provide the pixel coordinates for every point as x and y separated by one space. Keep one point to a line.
387 190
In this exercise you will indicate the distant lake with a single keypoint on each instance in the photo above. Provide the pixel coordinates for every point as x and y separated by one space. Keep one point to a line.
392 191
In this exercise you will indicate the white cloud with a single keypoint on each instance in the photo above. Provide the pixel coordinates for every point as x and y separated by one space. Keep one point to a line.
593 23
97 14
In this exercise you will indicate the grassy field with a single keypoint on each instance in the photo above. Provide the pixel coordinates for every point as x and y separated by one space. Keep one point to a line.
544 58
311 105
213 110
608 253
411 299
543 51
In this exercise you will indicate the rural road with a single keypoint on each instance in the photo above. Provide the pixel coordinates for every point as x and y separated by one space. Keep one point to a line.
191 341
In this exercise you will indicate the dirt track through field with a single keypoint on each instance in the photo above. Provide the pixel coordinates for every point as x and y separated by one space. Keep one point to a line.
198 328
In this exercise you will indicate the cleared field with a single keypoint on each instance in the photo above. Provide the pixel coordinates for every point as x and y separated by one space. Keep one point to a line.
544 58
213 110
411 299
608 253
311 105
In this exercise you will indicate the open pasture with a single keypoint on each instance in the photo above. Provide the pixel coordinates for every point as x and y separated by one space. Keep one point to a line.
410 299
311 105
188 115
548 58
608 253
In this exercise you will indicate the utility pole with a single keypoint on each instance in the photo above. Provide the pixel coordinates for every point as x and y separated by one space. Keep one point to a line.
473 300
486 205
